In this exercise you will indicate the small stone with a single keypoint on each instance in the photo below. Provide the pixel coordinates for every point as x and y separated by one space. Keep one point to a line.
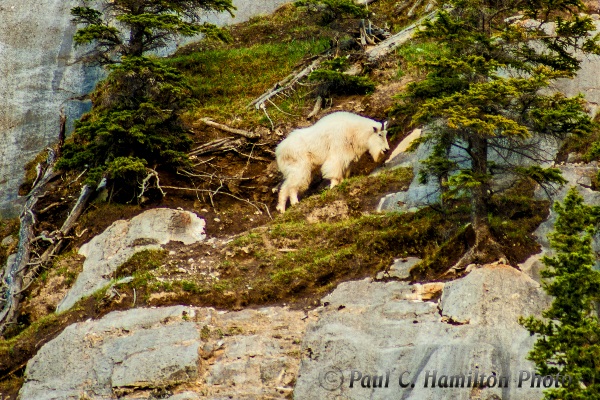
470 267
7 241
401 267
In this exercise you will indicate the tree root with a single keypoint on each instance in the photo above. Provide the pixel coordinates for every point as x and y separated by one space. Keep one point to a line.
485 250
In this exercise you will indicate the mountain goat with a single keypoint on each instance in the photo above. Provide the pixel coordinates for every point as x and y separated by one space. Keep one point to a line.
332 144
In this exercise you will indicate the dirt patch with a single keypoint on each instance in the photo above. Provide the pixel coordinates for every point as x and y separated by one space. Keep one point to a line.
335 211
50 288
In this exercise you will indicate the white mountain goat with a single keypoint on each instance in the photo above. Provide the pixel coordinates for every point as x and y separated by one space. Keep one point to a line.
332 144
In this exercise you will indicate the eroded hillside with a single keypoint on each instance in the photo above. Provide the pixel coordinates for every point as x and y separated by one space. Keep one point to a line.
254 262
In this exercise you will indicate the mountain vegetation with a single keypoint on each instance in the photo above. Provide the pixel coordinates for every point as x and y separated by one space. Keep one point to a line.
484 102
476 78
569 335
135 124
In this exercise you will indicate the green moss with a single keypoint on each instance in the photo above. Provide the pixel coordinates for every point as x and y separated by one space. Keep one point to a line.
141 263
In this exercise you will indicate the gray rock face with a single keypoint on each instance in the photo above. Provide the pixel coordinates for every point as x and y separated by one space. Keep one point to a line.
579 176
418 194
587 80
373 328
107 251
122 351
39 77
251 354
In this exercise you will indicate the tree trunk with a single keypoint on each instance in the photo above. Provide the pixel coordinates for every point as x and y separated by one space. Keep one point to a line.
485 249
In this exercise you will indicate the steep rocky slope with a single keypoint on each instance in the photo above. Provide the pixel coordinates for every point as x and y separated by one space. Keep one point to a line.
40 77
294 308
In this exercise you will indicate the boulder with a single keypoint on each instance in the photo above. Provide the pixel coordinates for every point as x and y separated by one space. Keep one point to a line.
107 251
185 353
373 328
144 348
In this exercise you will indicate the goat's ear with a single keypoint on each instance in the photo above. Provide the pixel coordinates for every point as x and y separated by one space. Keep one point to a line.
384 125
375 129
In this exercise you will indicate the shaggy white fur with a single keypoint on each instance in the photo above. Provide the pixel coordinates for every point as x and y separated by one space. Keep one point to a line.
332 144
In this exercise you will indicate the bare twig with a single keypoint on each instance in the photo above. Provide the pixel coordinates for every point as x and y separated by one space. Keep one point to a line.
250 156
280 110
316 108
264 108
145 183
215 192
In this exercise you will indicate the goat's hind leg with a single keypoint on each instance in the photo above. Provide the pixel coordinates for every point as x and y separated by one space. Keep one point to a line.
296 183
283 197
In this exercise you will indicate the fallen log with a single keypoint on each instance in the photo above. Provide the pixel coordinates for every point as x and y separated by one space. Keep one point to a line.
385 47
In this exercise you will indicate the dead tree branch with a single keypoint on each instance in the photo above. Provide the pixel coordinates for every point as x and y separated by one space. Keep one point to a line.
59 237
316 108
249 135
12 279
385 47
21 272
224 144
286 83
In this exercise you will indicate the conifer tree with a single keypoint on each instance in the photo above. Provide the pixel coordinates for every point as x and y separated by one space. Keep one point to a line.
135 119
569 334
131 28
485 94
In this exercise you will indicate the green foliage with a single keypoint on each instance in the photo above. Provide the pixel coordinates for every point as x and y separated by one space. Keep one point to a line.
333 80
140 264
474 108
542 175
135 122
332 10
133 27
569 334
